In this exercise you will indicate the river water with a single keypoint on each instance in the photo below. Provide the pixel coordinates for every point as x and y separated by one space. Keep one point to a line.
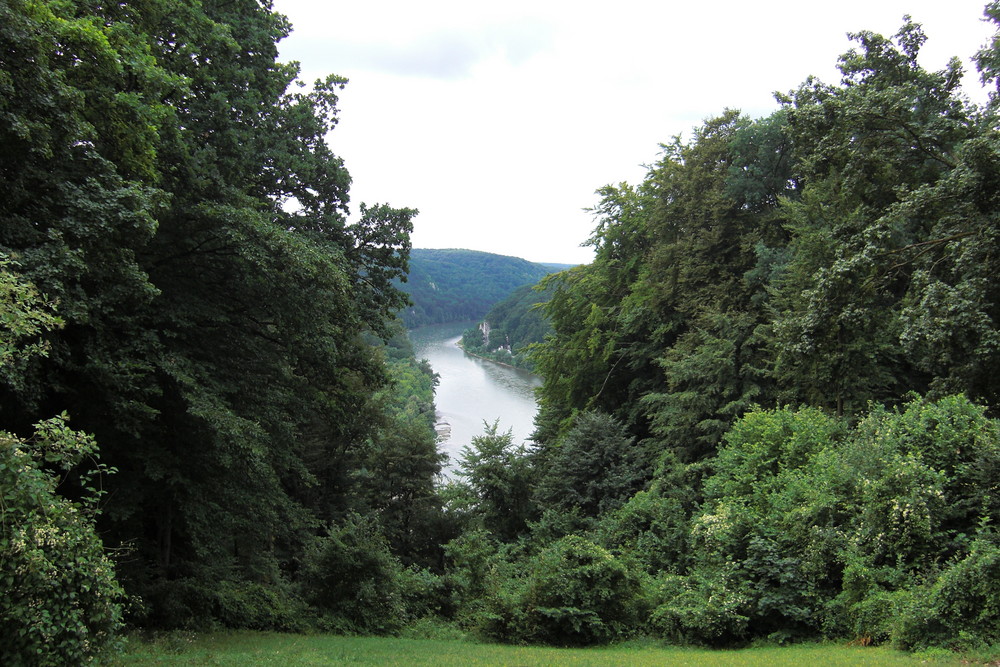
473 391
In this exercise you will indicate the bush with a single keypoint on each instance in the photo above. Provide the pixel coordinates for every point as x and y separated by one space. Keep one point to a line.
576 593
352 579
60 603
700 609
961 609
823 530
255 606
594 468
651 528
425 594
870 600
184 603
471 565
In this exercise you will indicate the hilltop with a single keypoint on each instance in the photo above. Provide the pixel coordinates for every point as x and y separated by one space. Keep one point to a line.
453 285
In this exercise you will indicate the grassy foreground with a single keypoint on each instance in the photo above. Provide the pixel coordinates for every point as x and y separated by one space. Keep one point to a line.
258 648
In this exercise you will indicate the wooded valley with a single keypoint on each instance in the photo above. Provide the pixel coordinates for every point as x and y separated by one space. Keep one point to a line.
769 407
458 285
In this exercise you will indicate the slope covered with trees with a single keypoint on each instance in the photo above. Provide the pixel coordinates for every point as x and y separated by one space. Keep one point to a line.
168 189
510 328
458 285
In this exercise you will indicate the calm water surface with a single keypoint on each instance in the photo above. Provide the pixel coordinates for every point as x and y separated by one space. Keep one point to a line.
473 391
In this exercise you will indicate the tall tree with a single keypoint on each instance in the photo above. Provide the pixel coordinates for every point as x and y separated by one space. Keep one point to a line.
176 195
865 148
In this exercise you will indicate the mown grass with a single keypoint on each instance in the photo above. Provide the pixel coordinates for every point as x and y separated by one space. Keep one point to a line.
259 648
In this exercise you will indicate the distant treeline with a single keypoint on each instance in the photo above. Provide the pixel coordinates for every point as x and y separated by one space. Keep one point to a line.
459 285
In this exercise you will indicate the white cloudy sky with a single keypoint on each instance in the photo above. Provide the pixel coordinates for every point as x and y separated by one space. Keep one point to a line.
499 120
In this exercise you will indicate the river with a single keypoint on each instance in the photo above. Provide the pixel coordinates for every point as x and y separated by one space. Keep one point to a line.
473 391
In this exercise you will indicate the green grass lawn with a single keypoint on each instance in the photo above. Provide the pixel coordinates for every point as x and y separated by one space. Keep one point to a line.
259 648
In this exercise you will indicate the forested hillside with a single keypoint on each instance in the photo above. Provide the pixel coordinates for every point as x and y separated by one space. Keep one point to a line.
769 404
510 328
458 285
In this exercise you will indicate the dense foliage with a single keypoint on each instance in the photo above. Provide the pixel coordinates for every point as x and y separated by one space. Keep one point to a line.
180 276
169 189
59 588
60 592
836 262
459 285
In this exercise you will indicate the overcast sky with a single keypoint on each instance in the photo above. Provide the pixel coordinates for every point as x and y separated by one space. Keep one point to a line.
499 120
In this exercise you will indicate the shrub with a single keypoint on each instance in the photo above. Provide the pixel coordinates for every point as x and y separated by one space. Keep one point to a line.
702 609
59 600
576 593
870 600
961 609
425 594
922 478
256 606
352 579
652 528
594 468
183 603
471 558
765 543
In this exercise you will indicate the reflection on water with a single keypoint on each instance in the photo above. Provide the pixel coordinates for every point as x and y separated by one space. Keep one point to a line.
473 391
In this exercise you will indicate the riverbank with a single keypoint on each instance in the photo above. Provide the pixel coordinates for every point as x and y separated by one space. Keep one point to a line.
499 363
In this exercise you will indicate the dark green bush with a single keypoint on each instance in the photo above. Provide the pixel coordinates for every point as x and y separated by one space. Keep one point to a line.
594 468
472 560
352 579
183 603
575 593
651 529
961 609
255 606
425 594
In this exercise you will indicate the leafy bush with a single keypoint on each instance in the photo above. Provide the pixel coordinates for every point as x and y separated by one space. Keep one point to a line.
869 602
59 601
772 524
922 478
351 577
256 606
498 474
575 593
763 444
702 609
918 482
472 561
961 609
811 529
712 610
651 528
425 594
